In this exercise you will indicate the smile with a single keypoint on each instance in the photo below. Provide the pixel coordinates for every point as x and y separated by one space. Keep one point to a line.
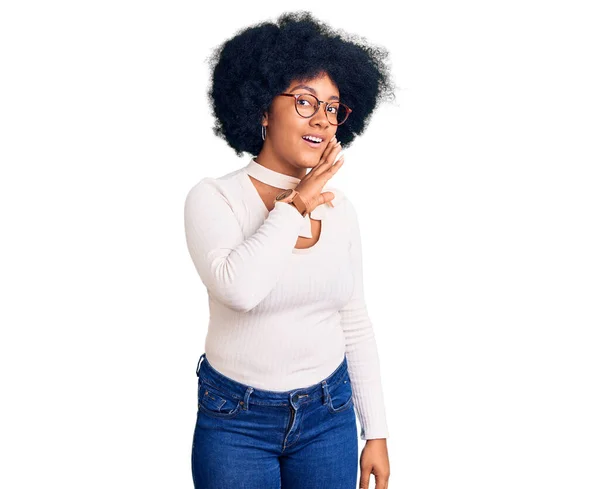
312 144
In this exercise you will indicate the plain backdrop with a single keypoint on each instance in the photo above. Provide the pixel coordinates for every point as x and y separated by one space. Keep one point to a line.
477 191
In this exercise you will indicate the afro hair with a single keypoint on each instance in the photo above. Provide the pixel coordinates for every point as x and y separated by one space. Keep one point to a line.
260 61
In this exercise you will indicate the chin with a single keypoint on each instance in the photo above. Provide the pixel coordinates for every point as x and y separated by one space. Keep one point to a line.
310 161
309 164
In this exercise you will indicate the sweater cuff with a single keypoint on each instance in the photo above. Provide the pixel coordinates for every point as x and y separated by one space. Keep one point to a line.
290 209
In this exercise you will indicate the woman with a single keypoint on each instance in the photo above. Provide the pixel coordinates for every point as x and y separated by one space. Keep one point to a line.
290 350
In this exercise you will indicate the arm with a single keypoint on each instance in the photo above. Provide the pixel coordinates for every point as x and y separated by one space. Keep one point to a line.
237 272
361 347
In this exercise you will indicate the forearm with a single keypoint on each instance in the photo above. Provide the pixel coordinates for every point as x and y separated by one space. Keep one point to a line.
239 272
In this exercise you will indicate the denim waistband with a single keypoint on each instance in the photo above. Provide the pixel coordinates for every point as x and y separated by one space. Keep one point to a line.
236 390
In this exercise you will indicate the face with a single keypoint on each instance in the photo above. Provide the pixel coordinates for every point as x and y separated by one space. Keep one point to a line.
284 150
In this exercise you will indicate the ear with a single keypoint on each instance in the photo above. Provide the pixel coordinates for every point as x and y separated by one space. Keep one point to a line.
265 117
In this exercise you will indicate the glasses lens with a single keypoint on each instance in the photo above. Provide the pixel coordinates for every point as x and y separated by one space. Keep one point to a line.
307 106
337 113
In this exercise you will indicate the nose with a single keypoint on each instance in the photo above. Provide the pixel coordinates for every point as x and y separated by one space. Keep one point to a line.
320 117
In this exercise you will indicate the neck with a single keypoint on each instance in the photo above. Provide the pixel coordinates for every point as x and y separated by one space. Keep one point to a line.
272 161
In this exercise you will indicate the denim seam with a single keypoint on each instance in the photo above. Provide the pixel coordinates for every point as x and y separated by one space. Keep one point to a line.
287 445
343 407
208 412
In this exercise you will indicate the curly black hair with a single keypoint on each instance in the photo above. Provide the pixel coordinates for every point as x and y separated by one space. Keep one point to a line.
260 61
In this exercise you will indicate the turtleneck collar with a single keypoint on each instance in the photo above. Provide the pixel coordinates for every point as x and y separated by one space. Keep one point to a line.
281 180
271 177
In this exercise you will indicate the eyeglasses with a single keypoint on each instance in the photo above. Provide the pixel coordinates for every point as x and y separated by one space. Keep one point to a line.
307 105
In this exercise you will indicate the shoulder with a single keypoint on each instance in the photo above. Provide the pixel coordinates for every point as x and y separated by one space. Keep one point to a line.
227 187
340 206
342 202
348 214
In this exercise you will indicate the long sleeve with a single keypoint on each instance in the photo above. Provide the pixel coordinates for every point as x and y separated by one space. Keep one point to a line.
361 347
237 272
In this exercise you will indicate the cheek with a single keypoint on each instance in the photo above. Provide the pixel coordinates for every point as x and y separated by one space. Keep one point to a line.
286 140
290 134
284 125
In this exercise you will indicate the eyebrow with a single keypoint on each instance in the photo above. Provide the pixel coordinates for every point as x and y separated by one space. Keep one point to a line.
333 97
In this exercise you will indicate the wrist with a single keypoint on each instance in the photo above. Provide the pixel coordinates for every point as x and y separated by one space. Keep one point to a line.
292 197
297 210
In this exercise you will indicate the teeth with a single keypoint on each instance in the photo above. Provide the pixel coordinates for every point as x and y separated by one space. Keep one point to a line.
310 138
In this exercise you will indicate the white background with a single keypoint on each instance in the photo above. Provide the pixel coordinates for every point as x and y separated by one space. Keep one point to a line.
477 194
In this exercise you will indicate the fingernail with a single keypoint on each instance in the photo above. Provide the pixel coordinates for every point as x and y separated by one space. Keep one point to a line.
332 139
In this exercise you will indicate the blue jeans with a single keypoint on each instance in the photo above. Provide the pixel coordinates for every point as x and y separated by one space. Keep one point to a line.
247 438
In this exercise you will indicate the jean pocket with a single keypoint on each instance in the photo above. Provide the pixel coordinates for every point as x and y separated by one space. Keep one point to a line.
215 403
340 396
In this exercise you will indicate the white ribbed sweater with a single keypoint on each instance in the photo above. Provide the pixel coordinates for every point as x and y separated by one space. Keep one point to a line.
282 318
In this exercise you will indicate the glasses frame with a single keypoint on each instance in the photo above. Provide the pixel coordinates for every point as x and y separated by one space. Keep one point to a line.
319 102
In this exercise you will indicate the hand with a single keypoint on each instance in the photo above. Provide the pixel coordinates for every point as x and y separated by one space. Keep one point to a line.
311 185
374 459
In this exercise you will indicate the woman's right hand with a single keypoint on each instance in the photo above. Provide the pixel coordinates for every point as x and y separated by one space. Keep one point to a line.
312 184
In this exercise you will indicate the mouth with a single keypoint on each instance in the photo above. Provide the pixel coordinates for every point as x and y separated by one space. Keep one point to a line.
312 144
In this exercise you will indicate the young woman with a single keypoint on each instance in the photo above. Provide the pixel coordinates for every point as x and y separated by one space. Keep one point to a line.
290 351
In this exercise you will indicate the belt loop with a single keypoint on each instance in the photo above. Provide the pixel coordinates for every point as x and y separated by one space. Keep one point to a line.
198 366
249 391
325 391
